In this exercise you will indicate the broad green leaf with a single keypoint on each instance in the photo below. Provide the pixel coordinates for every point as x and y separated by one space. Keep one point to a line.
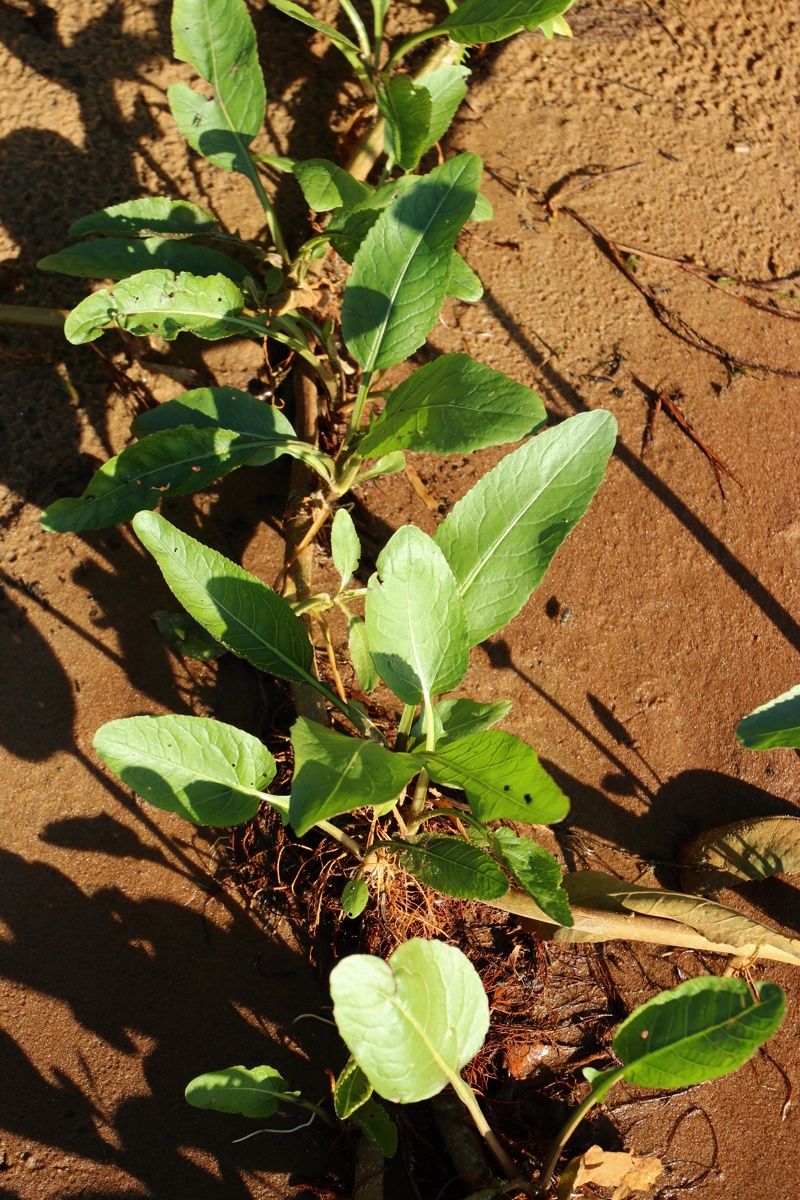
463 284
355 898
348 48
217 38
351 1090
700 1030
406 109
447 87
454 867
483 210
147 216
501 777
334 774
186 636
752 849
326 186
718 924
774 724
253 1093
349 226
411 1023
119 258
360 657
415 620
454 405
476 21
208 772
500 538
402 267
374 1121
455 719
345 546
178 461
236 608
221 407
163 303
535 870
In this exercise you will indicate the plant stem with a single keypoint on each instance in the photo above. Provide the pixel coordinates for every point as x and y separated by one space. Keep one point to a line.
358 25
28 314
567 1131
358 409
404 727
269 213
469 1100
342 838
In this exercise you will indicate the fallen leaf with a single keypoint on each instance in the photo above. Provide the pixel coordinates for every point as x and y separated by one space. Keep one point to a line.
753 849
601 1168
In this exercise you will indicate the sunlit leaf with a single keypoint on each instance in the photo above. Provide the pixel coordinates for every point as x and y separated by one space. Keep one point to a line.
455 867
147 216
774 724
345 545
355 898
351 1090
253 1093
326 186
456 718
463 283
360 657
119 258
535 870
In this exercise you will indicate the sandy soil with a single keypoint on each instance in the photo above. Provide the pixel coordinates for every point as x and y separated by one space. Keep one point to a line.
670 613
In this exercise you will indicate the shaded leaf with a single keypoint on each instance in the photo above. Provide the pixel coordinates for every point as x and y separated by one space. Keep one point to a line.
454 405
355 898
374 1121
402 267
360 657
237 609
463 283
535 870
501 537
348 48
334 774
119 258
406 109
415 619
752 849
223 407
455 867
345 546
351 1090
147 216
413 1022
186 636
162 303
255 1092
774 724
501 776
447 87
217 38
455 719
326 186
207 772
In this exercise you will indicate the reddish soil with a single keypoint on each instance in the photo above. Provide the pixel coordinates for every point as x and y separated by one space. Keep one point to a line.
672 610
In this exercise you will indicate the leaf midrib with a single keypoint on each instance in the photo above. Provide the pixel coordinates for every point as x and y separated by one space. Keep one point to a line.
219 97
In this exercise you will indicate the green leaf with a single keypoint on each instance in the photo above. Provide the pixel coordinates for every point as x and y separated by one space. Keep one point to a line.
217 38
253 1093
349 226
463 284
351 1090
501 777
147 216
406 109
483 210
447 87
415 620
454 405
535 870
455 867
477 21
455 719
178 461
236 608
388 464
334 774
402 268
326 186
119 258
186 636
348 48
774 724
163 303
700 1030
345 546
501 537
360 657
411 1023
374 1121
207 772
355 898
223 408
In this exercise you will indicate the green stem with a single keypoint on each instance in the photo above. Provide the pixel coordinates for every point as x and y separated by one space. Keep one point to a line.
404 728
423 779
407 46
269 213
358 409
342 838
569 1128
469 1100
27 314
358 25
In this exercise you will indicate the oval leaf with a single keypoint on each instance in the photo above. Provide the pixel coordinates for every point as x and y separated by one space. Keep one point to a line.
501 537
345 546
221 407
454 867
454 405
501 777
253 1093
411 1023
447 87
402 268
360 657
455 719
351 1090
146 216
208 772
477 21
774 724
326 186
237 609
119 258
406 109
335 774
536 871
355 898
415 619
463 283
753 849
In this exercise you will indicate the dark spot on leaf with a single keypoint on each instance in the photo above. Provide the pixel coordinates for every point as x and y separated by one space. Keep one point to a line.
507 788
528 798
